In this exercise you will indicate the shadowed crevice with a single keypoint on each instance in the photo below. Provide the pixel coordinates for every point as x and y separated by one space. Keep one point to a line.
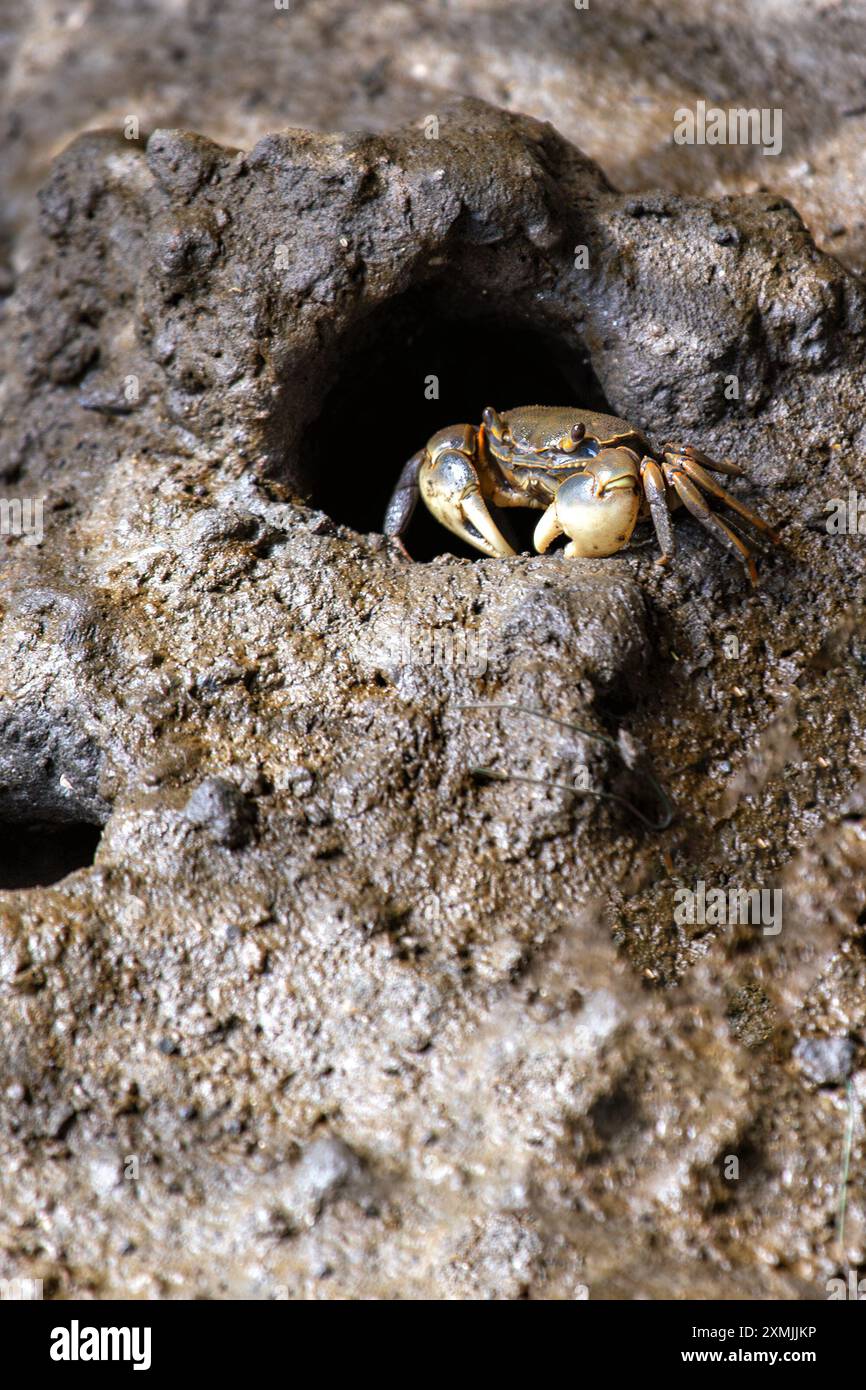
413 372
33 856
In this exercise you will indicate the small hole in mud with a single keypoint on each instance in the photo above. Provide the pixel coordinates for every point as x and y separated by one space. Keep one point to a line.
34 856
613 1116
379 411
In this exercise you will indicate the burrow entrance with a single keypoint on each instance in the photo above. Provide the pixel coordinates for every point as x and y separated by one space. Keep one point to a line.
384 407
51 812
36 855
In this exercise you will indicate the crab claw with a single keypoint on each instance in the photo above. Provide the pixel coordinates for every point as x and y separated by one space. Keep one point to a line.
450 487
596 508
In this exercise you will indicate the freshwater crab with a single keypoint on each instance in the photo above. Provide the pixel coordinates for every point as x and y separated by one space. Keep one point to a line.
593 476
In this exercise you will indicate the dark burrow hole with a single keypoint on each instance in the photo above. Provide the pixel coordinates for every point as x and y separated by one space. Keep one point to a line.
35 855
377 414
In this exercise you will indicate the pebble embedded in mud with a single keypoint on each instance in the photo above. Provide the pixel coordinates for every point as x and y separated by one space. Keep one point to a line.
220 808
826 1061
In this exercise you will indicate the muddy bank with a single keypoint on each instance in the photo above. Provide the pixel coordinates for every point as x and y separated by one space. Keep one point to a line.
326 1015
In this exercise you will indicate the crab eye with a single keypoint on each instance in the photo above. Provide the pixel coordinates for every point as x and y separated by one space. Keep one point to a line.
569 442
493 422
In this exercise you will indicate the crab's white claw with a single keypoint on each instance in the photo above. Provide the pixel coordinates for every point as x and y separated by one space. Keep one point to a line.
547 530
450 487
598 507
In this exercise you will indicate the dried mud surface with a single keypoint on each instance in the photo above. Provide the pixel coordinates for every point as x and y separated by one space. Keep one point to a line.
328 1017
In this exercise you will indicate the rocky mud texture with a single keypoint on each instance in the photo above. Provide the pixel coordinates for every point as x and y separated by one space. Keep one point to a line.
610 77
329 1015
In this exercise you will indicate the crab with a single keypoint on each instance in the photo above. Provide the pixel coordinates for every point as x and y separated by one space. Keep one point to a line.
593 476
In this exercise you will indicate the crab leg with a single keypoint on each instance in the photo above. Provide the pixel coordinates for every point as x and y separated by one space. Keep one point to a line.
733 469
692 498
656 495
701 476
403 500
